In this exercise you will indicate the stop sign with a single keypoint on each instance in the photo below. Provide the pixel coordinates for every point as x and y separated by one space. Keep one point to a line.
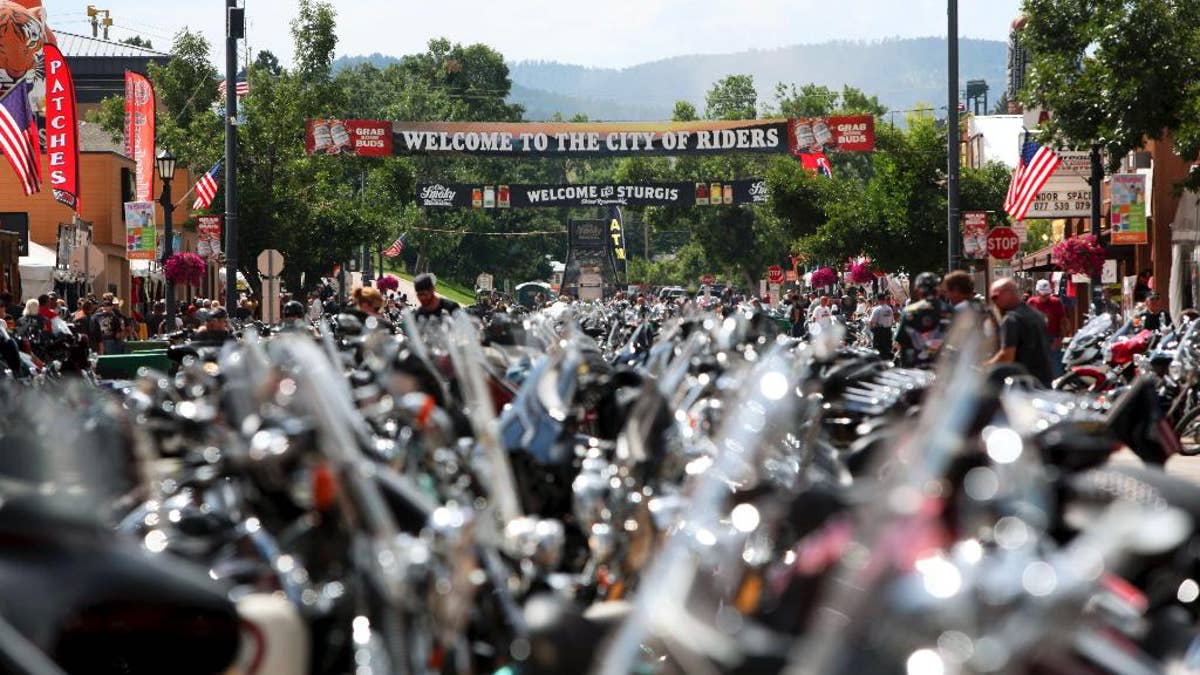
707 279
1002 243
775 274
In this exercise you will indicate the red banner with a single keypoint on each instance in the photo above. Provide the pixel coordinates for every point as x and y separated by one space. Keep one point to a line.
815 135
365 138
62 130
139 132
208 243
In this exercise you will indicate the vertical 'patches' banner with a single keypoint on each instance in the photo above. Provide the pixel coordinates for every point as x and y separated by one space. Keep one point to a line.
139 132
62 129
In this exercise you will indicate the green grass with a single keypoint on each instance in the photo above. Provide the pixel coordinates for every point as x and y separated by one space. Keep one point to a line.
446 289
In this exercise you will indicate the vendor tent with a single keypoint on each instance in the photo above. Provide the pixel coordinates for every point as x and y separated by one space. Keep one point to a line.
37 270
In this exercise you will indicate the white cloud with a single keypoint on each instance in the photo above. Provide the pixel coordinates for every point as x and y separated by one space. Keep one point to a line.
613 33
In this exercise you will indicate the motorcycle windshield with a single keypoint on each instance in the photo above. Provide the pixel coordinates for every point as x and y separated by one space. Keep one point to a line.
1095 327
1188 353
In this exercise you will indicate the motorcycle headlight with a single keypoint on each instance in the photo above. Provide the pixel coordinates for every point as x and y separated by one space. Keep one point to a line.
1175 371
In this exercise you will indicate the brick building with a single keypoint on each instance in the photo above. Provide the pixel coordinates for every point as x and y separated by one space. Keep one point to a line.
106 173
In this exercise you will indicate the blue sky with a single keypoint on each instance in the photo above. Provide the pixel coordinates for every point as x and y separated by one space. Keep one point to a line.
613 33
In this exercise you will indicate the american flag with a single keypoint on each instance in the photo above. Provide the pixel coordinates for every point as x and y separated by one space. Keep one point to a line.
1036 166
397 247
242 89
206 189
19 137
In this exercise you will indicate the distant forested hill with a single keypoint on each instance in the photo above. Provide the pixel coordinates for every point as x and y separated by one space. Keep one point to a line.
901 72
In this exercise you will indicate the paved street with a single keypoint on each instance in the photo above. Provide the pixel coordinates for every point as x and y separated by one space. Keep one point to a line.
1186 467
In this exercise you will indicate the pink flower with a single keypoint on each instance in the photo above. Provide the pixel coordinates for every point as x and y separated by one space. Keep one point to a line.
860 271
185 268
1079 255
388 282
823 277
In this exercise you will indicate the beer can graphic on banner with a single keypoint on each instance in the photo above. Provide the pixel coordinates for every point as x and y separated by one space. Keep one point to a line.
714 194
341 137
701 194
823 135
477 198
728 194
322 139
502 197
805 139
489 197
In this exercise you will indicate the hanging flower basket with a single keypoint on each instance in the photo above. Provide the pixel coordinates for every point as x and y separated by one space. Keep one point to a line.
824 277
860 271
1079 255
388 283
185 268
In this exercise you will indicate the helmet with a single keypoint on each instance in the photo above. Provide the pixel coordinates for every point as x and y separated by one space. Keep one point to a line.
293 310
927 284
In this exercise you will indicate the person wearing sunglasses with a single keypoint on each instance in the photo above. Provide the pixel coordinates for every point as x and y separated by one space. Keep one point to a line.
1023 336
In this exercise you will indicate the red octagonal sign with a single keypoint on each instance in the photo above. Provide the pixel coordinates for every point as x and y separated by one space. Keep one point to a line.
1002 243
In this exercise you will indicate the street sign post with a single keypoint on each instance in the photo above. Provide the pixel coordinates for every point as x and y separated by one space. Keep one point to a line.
270 265
1002 243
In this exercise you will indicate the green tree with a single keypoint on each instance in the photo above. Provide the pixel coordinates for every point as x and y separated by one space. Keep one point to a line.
315 39
732 98
138 41
1114 72
684 112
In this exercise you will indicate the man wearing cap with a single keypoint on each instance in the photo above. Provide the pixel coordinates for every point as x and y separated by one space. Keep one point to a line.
430 304
1055 312
215 330
107 330
880 322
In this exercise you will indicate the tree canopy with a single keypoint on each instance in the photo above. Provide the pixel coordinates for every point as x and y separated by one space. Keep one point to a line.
1115 72
320 210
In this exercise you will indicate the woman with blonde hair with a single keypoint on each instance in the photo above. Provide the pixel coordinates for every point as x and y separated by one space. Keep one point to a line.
368 299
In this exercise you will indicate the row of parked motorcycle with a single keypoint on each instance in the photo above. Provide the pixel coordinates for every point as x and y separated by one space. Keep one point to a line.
597 489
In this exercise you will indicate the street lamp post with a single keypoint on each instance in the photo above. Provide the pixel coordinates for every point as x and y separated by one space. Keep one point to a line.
166 171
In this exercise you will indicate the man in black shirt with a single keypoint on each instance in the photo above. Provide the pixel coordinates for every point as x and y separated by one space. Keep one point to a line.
430 304
1023 334
215 331
1153 317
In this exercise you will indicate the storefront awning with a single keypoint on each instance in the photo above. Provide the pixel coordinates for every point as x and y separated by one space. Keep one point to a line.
1185 229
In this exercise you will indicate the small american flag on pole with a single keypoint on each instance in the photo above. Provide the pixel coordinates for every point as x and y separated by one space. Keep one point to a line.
1036 165
241 90
206 188
397 247
19 138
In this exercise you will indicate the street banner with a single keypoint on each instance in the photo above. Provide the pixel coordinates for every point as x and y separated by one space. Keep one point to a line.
139 133
365 138
62 129
1067 193
141 239
601 139
1128 214
616 241
208 230
975 234
465 195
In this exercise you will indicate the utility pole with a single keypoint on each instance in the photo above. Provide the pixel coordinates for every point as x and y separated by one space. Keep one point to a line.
954 243
1097 181
235 29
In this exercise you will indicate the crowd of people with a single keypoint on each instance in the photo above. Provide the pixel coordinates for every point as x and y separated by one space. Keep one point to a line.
1025 329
